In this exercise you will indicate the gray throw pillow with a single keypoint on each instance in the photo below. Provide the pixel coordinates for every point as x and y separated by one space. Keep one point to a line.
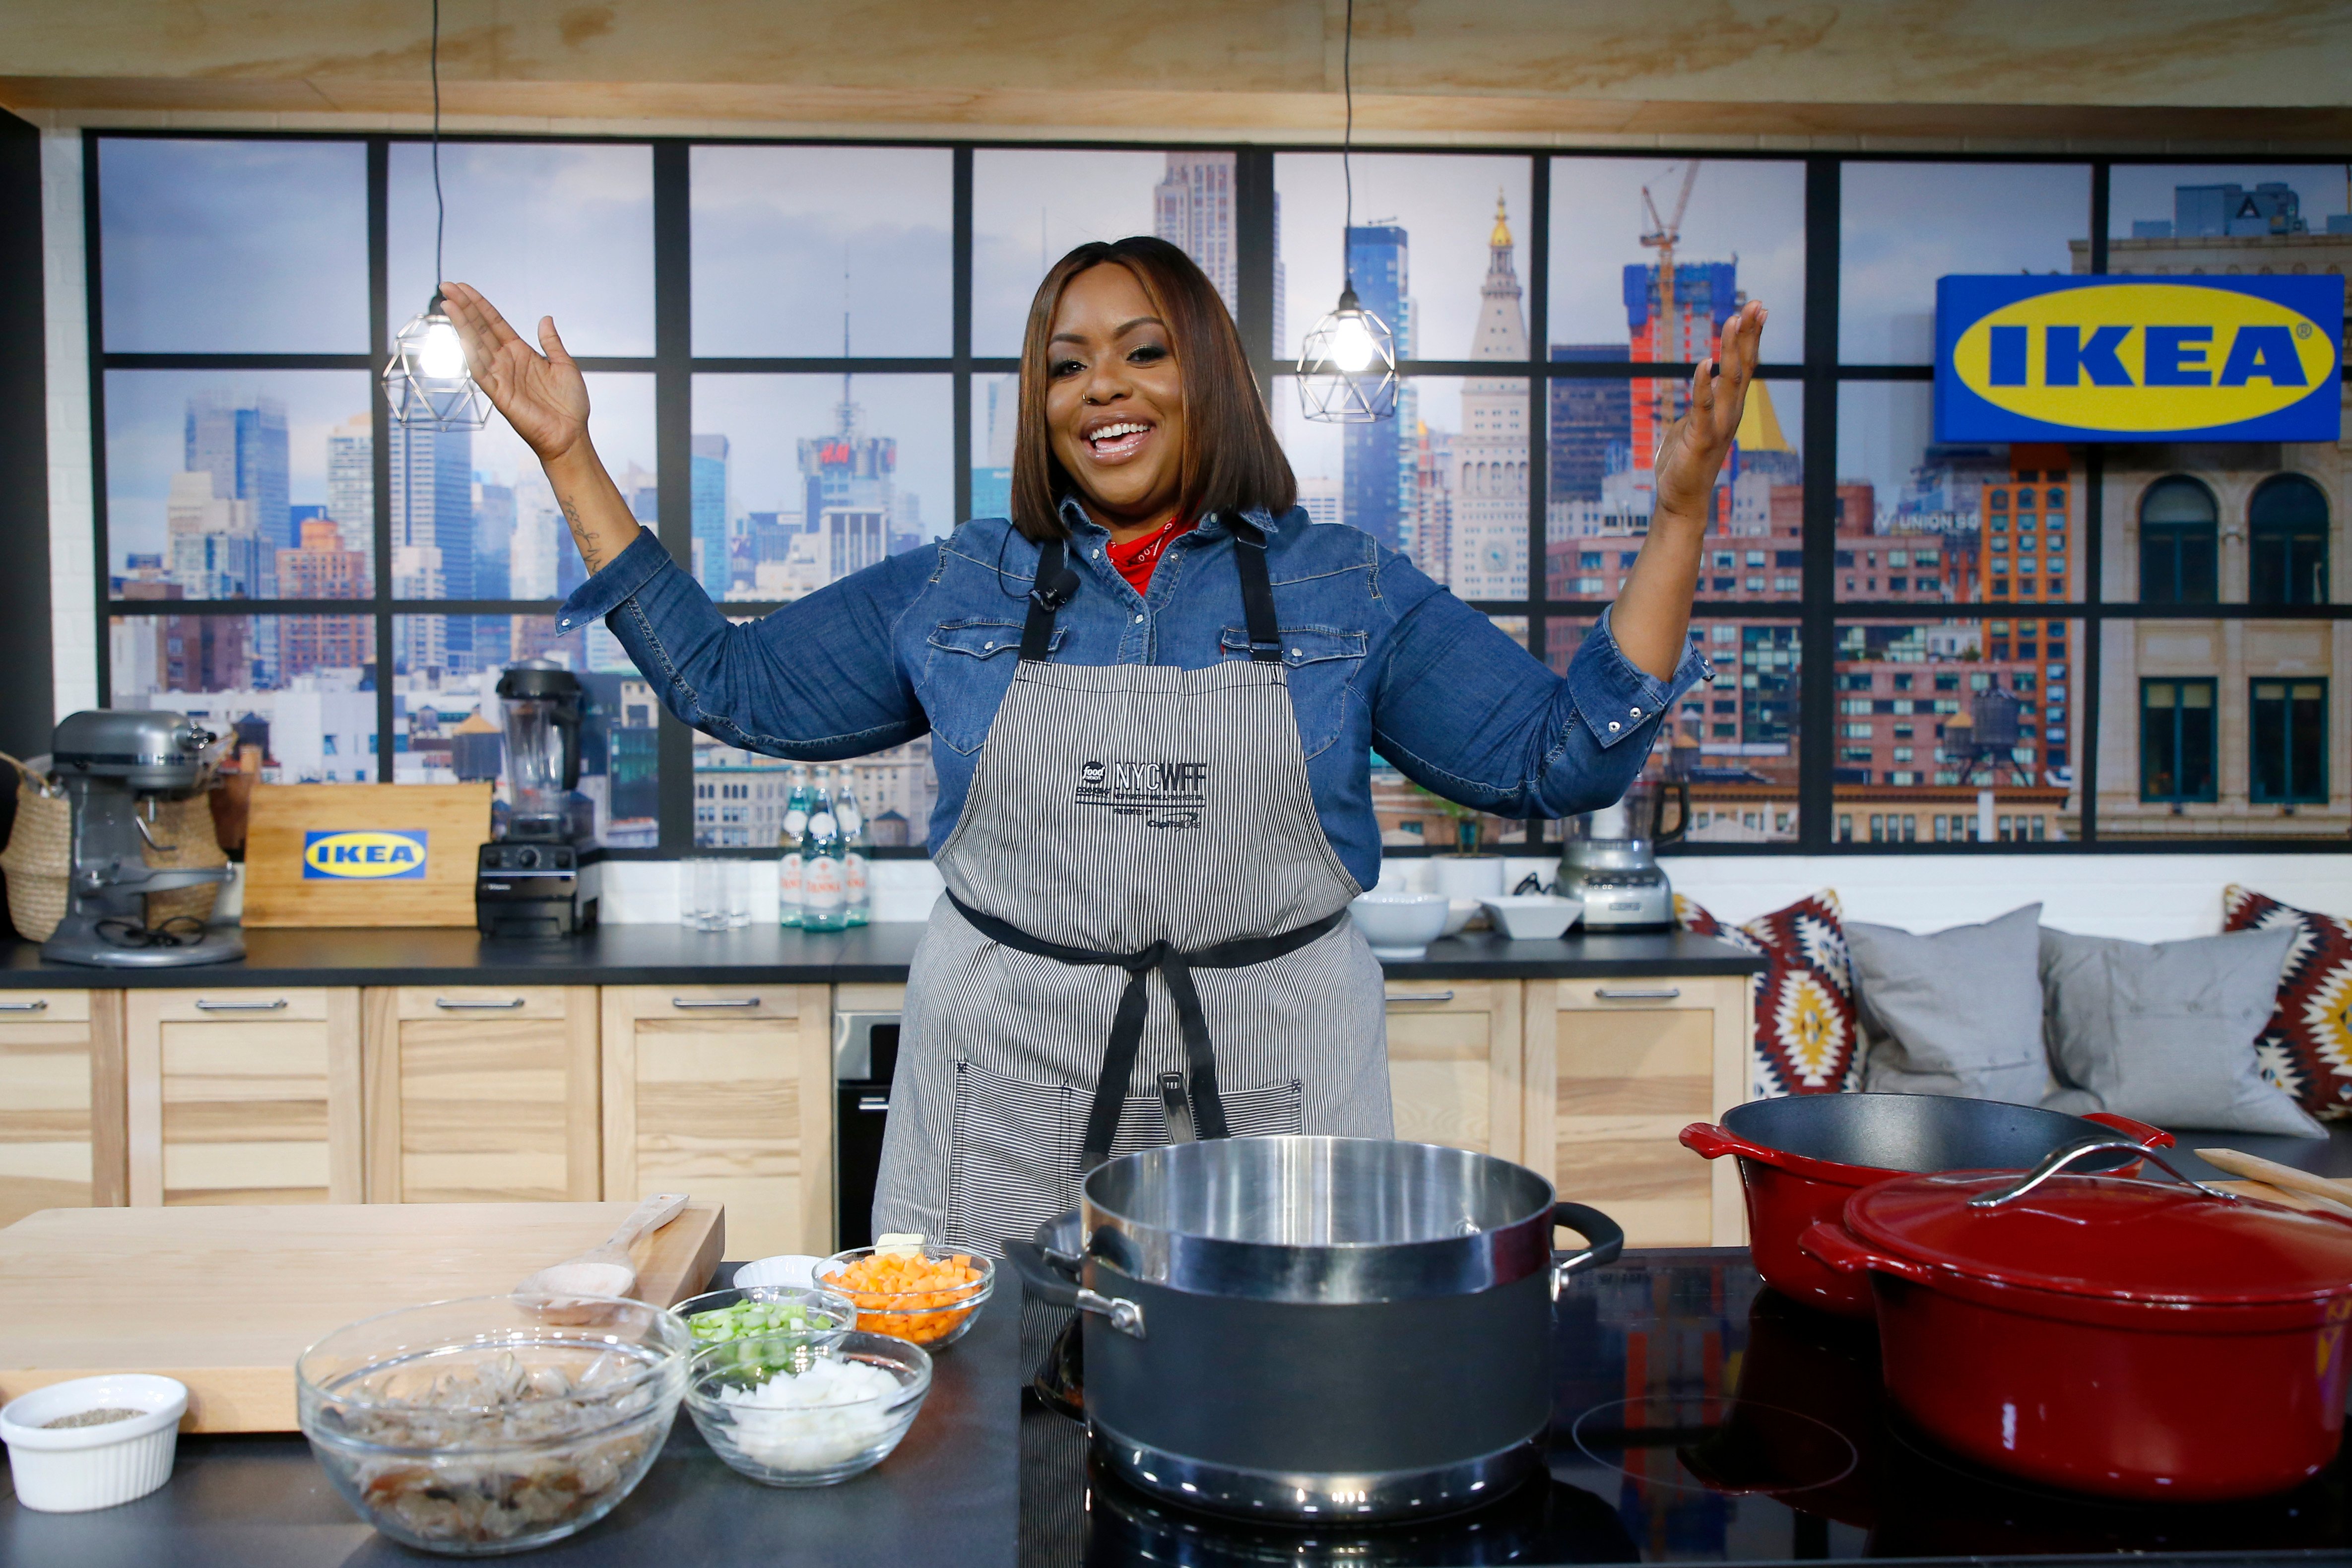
1958 1012
2165 1032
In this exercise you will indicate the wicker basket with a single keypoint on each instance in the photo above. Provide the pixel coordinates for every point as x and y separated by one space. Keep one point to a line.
184 828
39 853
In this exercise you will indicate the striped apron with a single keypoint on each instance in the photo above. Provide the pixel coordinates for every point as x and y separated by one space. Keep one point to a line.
1138 893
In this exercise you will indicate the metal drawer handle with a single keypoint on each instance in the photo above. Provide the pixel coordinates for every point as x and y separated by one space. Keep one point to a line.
1420 995
715 1002
873 1102
1637 994
40 1006
202 1006
473 1006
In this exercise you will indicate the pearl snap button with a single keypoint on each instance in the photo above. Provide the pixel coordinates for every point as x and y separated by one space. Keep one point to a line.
1637 712
1139 620
987 647
1298 653
1614 725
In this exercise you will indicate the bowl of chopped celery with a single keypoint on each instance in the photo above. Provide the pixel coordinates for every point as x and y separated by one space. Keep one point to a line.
764 1324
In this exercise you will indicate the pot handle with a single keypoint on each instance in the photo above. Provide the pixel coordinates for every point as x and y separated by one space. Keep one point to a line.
2139 1133
1831 1244
1711 1142
1604 1236
1043 1277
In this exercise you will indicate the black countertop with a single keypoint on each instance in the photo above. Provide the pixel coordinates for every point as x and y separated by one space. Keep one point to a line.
772 955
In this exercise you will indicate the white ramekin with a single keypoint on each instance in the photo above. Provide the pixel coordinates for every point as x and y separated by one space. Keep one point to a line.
71 1469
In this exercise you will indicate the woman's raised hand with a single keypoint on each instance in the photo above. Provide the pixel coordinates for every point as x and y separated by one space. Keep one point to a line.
1692 455
543 396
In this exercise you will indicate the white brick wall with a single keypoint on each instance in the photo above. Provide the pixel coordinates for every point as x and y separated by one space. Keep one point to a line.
73 564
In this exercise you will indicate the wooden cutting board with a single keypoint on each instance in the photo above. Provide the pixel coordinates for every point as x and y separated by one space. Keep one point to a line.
224 1299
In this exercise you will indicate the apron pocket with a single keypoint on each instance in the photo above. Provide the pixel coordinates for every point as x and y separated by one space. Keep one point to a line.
1273 1112
1013 1156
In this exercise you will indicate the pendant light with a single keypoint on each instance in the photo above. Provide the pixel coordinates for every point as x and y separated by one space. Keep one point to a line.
426 381
1347 365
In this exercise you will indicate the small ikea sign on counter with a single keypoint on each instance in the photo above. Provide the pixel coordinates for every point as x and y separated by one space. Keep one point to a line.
369 855
2139 359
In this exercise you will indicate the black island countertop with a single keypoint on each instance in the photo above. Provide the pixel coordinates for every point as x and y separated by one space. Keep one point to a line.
772 955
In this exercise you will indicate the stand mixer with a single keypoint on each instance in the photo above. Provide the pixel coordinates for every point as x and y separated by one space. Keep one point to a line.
114 762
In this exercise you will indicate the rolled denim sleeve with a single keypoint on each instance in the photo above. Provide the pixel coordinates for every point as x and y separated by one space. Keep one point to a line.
1467 713
818 679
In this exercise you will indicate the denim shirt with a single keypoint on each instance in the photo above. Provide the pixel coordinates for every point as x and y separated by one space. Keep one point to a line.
1381 659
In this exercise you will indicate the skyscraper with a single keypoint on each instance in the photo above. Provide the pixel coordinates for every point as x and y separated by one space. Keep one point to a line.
351 481
710 564
433 537
1589 416
1674 315
1490 489
849 498
991 475
1192 209
1378 458
240 441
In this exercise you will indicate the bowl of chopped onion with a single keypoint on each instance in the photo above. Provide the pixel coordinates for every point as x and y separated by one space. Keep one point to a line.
809 1412
925 1294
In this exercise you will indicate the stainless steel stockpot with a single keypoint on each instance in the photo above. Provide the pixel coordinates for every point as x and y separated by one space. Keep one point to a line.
1310 1328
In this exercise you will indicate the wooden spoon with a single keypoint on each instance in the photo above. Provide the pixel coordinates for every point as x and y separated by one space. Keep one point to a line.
606 1271
2336 1196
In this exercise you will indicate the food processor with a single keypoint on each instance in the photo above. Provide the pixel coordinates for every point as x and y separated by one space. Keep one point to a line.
1608 859
533 879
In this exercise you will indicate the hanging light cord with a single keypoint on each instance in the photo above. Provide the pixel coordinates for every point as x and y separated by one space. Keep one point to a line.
1346 142
440 213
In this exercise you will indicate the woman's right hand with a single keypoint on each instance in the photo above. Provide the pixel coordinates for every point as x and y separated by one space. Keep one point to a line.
543 396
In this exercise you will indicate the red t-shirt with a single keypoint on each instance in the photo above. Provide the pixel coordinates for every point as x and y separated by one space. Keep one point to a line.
1137 557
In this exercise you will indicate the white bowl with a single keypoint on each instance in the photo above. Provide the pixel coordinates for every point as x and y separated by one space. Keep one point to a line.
1467 875
1399 925
1459 912
794 1268
72 1469
1533 917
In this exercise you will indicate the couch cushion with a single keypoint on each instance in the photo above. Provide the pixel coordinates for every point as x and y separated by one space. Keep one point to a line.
1804 1041
1957 1012
2164 1031
2305 1048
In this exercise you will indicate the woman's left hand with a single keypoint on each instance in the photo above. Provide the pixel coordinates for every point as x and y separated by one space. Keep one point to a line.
1692 455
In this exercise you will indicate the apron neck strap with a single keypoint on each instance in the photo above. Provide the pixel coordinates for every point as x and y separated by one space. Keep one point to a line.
1257 592
1055 587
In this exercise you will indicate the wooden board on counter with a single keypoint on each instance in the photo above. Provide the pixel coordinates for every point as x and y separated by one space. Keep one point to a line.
225 1299
455 820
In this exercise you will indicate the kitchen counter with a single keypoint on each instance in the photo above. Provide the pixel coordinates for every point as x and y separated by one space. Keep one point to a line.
772 955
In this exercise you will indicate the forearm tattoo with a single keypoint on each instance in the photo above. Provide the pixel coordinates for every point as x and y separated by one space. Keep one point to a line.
590 556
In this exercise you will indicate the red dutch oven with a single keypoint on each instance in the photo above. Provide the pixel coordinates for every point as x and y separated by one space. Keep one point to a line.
2132 1338
1801 1156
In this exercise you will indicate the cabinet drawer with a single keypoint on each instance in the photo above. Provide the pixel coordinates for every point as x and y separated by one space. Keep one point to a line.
229 1004
44 1007
706 1004
1453 1063
419 1002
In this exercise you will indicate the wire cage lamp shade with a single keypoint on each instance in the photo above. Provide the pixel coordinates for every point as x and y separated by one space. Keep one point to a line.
426 380
1347 366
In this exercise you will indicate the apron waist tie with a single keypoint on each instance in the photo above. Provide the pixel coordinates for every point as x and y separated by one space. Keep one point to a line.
1127 1026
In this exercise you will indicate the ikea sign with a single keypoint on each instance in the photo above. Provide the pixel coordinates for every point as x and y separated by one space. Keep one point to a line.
370 854
2139 359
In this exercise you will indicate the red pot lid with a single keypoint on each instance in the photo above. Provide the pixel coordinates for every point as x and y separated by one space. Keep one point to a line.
2148 1240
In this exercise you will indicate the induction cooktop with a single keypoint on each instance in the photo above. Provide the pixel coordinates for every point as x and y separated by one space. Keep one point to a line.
1696 1416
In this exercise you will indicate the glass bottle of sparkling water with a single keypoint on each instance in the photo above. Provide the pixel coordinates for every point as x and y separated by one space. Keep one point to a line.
857 899
825 890
798 804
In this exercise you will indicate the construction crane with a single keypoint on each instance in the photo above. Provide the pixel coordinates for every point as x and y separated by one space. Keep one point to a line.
1661 236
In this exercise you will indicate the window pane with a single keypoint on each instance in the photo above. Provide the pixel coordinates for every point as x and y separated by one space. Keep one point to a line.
1597 507
2226 523
1438 252
2223 727
2216 217
1906 225
233 247
473 517
1946 727
1029 208
801 479
1446 482
1930 522
1734 742
213 476
445 721
789 240
314 716
1741 235
562 229
740 797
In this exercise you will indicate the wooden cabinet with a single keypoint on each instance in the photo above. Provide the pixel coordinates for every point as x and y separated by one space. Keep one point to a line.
480 1093
61 1118
243 1096
1615 1070
1454 1072
724 1091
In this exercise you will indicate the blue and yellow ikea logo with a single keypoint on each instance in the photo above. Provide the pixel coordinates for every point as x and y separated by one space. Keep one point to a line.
362 854
2139 359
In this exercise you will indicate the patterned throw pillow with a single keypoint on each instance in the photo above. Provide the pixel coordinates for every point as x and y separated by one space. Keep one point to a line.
1806 1041
2306 1047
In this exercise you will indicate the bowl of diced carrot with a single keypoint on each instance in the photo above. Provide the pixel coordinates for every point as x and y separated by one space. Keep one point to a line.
929 1295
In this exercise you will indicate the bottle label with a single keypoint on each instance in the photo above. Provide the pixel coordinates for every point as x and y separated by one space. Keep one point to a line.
822 825
822 883
795 823
852 819
854 875
788 879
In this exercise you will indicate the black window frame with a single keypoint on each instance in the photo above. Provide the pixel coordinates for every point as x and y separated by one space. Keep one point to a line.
2299 575
2180 684
2175 539
2260 718
1812 366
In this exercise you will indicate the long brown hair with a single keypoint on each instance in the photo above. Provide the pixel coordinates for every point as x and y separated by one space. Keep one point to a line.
1230 461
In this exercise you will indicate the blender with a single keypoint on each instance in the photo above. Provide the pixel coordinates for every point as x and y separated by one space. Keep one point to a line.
1608 859
533 878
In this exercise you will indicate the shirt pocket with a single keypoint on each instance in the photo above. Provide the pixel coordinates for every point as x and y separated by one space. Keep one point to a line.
966 670
1323 662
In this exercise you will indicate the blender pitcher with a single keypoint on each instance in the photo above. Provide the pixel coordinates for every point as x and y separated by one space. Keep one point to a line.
542 711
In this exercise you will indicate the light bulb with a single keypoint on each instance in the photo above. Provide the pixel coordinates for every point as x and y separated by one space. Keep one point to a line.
1352 345
440 353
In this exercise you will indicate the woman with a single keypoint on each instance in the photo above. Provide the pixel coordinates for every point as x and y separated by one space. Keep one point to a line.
1153 694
